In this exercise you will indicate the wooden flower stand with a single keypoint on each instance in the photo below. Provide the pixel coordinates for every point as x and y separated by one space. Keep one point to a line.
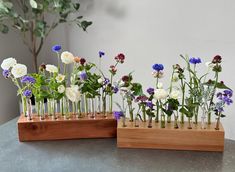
73 128
169 138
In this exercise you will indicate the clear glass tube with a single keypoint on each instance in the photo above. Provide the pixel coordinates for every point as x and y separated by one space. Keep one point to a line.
42 112
137 121
24 105
29 108
92 104
104 105
150 122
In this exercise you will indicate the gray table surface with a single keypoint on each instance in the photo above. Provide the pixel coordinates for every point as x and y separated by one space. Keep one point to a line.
102 155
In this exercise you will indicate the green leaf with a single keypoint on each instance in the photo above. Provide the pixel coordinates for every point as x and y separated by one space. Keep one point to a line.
85 24
33 3
76 6
186 112
4 28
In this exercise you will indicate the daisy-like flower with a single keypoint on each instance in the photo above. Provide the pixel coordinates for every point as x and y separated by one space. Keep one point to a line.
61 89
60 78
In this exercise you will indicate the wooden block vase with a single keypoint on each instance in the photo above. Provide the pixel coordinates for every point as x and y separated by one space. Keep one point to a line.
72 128
196 139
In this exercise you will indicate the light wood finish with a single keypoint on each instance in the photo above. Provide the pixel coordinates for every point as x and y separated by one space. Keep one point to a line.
169 138
73 128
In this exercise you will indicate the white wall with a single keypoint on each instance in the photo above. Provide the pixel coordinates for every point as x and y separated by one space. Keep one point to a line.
157 31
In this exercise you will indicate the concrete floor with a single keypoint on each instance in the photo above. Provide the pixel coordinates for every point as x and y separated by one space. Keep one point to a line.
102 155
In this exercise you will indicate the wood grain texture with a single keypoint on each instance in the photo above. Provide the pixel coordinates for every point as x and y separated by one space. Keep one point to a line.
169 138
73 128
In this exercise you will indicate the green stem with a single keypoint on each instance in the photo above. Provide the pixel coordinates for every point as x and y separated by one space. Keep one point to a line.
183 97
144 112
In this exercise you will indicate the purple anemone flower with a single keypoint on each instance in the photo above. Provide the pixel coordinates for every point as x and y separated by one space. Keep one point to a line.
83 76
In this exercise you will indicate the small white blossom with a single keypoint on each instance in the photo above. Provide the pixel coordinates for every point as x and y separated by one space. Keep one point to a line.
160 94
61 89
67 57
8 63
72 93
51 68
175 94
60 78
19 70
175 77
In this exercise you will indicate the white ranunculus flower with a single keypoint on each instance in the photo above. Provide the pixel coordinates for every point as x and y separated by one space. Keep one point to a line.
175 77
8 63
67 57
160 85
60 78
51 68
160 94
210 65
61 89
100 80
73 94
19 70
175 94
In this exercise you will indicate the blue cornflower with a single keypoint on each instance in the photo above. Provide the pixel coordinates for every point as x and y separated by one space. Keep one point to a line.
27 93
158 67
150 105
194 60
83 76
28 79
118 114
56 48
101 54
150 91
6 73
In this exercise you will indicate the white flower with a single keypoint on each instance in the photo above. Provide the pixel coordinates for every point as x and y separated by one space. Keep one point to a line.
73 93
160 85
8 63
100 80
160 94
19 70
51 68
175 94
210 65
175 77
157 74
60 78
67 57
61 89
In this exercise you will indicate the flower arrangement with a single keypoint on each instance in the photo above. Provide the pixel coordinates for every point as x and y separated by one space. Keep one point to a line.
59 92
188 96
84 91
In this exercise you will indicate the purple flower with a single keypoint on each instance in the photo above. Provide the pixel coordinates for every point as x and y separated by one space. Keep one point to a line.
115 90
56 48
227 100
118 114
158 67
228 93
150 91
150 105
28 79
194 60
220 109
83 76
6 73
106 81
27 93
101 54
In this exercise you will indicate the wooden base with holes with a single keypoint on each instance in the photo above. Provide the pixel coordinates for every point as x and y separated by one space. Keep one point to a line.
169 138
72 128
